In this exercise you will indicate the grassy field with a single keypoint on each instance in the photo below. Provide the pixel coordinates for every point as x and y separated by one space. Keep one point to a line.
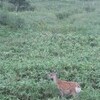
60 35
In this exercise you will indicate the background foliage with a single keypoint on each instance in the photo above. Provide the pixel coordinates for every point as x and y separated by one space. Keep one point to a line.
48 35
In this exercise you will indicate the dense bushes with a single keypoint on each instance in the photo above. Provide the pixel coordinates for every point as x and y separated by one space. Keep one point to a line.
16 5
13 20
7 6
10 20
20 4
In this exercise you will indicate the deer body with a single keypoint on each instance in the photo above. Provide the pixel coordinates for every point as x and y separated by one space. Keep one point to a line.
66 87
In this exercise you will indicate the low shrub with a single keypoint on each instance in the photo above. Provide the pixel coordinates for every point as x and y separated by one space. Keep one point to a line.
15 22
62 15
12 21
3 18
8 6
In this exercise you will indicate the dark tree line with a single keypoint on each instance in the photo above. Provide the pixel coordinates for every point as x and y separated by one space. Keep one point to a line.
20 4
11 20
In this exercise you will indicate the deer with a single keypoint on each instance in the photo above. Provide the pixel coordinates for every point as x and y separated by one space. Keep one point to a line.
65 87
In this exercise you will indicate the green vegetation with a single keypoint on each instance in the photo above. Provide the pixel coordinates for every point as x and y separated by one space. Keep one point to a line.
60 35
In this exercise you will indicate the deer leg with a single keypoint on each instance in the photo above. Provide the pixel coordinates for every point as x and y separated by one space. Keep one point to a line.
75 96
61 93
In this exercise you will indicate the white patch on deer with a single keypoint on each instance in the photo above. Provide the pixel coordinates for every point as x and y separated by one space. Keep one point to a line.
78 89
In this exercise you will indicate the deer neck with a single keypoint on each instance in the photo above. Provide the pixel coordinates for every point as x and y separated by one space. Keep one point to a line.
55 79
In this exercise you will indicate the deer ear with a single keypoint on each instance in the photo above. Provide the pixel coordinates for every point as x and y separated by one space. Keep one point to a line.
55 71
